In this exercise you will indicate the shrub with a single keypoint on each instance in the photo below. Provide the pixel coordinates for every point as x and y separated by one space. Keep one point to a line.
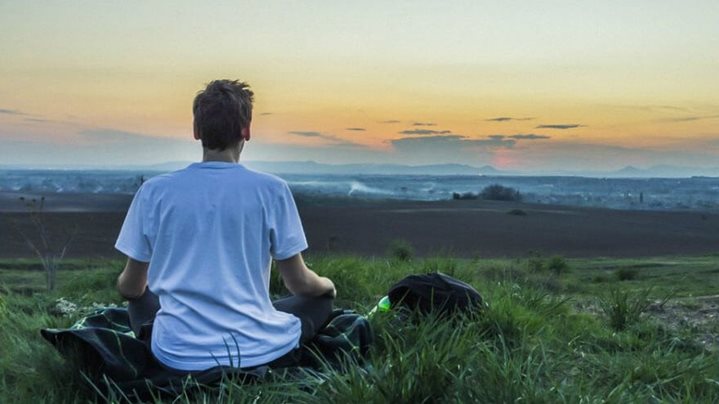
626 274
401 250
496 192
600 279
623 308
535 263
464 196
50 252
558 265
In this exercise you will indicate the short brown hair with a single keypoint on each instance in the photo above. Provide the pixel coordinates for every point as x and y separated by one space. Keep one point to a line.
221 111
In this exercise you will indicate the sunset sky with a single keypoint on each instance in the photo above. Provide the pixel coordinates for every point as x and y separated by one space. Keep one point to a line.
593 85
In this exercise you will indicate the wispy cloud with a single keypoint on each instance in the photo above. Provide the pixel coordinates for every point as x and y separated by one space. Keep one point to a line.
529 136
491 141
356 129
331 139
689 118
519 136
459 140
650 107
390 121
424 132
424 124
305 133
413 142
662 107
105 146
560 126
508 118
37 120
265 113
109 135
11 112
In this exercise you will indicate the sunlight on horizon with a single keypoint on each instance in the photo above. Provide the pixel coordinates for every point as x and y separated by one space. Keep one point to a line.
560 85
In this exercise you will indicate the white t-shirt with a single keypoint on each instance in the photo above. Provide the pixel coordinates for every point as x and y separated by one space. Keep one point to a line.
210 232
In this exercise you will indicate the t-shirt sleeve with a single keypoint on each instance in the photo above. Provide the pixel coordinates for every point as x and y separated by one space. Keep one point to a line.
287 237
133 240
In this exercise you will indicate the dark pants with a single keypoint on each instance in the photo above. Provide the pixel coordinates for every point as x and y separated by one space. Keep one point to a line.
313 313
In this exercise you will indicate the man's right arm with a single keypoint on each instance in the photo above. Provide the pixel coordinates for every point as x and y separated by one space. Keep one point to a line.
303 281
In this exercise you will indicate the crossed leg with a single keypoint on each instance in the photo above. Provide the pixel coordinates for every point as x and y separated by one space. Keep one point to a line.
313 313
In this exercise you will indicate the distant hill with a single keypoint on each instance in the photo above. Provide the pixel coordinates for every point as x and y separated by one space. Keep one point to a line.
490 171
659 171
629 171
298 167
664 171
313 167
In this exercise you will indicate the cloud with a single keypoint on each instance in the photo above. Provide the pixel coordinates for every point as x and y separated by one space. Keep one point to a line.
423 143
529 136
689 118
109 136
560 126
566 155
454 148
390 121
265 113
11 112
508 118
305 133
332 139
424 132
103 146
465 142
519 136
424 124
356 129
650 107
492 141
429 139
459 140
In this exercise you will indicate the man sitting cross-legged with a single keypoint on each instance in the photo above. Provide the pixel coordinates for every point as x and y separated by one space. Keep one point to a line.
200 242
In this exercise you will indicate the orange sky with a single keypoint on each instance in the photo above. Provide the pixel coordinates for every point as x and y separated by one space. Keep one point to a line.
578 86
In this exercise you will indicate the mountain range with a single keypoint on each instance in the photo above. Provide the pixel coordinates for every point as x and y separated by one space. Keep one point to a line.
313 167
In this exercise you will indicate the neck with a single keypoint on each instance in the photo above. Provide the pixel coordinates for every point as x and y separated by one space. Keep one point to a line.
229 155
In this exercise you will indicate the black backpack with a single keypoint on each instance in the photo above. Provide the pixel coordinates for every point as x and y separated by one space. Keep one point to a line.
435 292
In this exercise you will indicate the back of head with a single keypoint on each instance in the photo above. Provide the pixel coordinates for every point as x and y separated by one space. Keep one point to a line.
221 111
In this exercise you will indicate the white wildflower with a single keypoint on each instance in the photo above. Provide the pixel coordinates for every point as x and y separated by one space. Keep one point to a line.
64 307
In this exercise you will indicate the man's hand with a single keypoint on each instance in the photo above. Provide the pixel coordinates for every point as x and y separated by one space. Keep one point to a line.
133 280
303 281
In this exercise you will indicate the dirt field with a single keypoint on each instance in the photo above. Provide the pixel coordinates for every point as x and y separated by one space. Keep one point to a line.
462 228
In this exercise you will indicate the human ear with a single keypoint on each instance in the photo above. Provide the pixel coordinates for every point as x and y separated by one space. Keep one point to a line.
245 132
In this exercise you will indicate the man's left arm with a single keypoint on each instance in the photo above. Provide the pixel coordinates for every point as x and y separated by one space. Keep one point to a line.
134 243
133 280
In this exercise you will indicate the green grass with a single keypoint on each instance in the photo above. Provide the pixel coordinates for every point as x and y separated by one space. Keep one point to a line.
547 335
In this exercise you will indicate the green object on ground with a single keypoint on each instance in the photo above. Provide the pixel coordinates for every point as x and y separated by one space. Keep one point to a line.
383 305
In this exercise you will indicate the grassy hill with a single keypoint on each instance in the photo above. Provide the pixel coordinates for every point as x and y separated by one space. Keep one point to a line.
555 330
